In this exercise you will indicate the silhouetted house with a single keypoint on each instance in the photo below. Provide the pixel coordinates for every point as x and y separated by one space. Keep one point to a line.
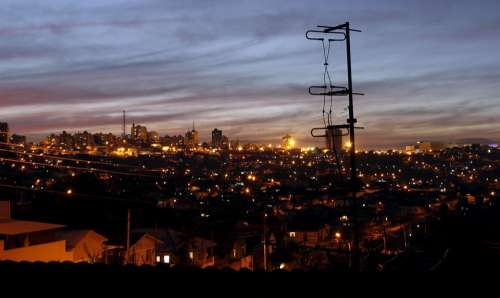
147 250
33 241
171 247
84 245
22 240
310 235
238 258
175 203
167 203
244 262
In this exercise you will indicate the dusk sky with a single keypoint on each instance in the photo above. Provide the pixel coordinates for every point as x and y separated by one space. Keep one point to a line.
430 69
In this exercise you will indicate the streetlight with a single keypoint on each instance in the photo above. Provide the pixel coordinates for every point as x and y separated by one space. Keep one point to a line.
337 237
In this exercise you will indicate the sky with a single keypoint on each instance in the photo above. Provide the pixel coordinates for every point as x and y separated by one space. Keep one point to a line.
430 69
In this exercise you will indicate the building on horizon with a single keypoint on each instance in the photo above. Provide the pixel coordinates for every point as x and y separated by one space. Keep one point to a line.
139 133
174 141
334 139
192 138
66 139
4 132
288 142
425 146
225 144
216 138
32 241
153 137
83 139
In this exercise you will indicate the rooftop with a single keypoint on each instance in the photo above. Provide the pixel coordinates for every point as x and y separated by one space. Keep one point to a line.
16 227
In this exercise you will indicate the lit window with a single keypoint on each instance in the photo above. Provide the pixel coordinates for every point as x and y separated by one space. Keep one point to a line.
191 255
166 259
158 259
292 234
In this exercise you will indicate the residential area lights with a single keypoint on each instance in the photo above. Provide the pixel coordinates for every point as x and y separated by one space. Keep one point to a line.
289 185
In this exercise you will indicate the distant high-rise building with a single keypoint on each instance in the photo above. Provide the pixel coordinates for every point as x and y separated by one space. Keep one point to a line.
288 142
139 133
153 137
409 149
4 132
84 139
192 138
66 139
216 138
225 143
426 146
334 139
173 140
104 139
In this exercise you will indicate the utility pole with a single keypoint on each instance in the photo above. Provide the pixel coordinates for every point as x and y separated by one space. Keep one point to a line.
354 178
124 126
384 238
128 229
342 33
264 242
404 237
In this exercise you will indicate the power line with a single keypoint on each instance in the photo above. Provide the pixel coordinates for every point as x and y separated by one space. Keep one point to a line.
73 194
74 168
70 159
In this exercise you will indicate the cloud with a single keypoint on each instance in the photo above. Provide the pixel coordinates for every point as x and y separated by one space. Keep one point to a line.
429 68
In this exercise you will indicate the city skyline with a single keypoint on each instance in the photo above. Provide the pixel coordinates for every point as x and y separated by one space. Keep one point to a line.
162 137
76 68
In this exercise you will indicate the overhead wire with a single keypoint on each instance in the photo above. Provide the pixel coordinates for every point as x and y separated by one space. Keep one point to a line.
329 89
77 160
73 194
66 167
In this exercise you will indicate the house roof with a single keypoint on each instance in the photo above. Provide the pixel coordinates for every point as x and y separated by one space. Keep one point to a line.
172 239
16 227
306 227
74 237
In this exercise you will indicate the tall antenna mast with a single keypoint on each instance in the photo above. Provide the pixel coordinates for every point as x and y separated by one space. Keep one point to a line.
124 134
341 33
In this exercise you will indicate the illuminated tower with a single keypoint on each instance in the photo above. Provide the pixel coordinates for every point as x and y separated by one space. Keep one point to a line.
288 142
192 138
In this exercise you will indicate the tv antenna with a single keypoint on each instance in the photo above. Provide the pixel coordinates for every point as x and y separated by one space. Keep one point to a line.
327 35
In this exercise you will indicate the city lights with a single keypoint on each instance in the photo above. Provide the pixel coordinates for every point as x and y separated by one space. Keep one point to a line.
163 137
